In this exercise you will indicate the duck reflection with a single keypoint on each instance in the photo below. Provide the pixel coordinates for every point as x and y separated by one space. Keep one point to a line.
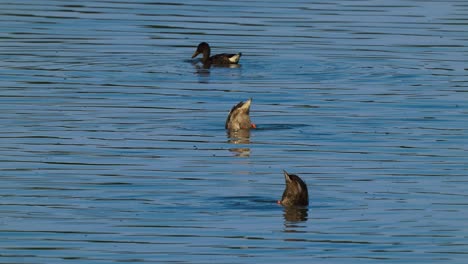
202 68
230 66
239 137
296 214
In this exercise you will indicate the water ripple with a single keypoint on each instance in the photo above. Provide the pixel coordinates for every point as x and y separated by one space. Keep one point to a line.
113 146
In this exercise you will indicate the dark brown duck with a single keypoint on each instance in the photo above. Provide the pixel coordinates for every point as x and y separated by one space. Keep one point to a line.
239 118
220 59
295 193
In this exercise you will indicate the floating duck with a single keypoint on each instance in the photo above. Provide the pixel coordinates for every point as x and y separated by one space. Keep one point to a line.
220 59
295 193
239 118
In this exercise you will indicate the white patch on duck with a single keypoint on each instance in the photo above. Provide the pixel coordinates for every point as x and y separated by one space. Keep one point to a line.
235 58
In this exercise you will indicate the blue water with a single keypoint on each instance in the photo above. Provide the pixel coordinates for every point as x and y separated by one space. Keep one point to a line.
113 148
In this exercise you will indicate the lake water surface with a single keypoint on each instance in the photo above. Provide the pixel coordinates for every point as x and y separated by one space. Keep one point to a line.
113 148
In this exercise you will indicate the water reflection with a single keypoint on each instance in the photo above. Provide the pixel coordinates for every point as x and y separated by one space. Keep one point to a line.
231 66
239 137
295 214
203 71
199 65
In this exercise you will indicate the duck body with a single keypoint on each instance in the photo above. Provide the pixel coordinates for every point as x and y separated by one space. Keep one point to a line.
295 193
238 118
218 59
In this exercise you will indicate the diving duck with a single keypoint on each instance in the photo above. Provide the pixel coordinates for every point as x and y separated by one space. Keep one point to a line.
239 118
295 193
222 59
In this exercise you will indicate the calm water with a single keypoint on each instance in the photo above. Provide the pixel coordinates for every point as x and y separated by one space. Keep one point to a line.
113 147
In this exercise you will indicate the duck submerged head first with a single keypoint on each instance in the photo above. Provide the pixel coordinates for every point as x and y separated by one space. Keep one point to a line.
238 118
295 193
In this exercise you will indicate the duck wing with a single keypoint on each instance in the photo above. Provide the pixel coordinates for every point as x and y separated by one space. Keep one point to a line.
225 58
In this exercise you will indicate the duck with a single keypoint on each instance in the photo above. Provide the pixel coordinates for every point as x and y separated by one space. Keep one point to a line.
238 118
295 193
219 59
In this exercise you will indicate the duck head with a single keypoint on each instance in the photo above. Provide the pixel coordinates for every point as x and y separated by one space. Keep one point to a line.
295 193
239 118
203 48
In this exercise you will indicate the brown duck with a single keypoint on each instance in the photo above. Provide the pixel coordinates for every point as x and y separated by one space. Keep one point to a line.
220 59
295 193
239 118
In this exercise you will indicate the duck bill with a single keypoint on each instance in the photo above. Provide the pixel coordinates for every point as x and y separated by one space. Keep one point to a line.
195 54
